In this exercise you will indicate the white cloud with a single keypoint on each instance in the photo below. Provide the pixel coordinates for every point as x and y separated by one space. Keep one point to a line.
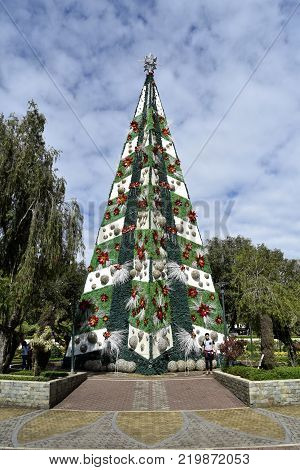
206 53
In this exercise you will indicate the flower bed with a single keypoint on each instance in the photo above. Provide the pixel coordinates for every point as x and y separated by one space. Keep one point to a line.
37 392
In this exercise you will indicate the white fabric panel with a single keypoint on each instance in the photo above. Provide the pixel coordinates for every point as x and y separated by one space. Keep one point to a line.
114 192
141 103
83 339
180 188
157 336
205 278
200 331
190 231
126 148
107 233
159 104
94 279
143 348
144 275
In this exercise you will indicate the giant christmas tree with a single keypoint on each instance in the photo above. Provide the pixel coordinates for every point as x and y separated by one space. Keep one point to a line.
149 296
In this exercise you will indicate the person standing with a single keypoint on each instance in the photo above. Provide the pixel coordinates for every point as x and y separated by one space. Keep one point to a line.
208 350
24 354
29 357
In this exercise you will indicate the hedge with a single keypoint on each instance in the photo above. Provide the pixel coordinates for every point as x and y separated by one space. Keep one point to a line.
251 373
23 378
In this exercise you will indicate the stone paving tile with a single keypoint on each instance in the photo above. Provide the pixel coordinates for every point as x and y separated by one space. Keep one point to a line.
160 399
101 435
174 394
245 420
202 434
7 413
234 426
141 400
291 410
9 427
197 394
55 422
151 427
96 395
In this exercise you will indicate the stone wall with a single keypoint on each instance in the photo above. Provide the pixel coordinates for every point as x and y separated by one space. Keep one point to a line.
38 394
261 393
238 386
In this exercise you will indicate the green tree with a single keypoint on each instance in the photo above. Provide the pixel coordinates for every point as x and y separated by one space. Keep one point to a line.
40 233
265 294
222 257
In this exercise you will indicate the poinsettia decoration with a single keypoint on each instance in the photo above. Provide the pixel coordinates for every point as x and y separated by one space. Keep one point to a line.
122 198
165 131
219 320
143 204
117 246
135 184
120 174
160 313
171 168
107 215
192 216
165 290
104 297
192 292
93 320
103 257
200 260
178 202
127 162
116 211
175 210
203 310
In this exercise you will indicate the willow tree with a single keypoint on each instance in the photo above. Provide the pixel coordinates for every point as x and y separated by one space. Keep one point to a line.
39 231
267 294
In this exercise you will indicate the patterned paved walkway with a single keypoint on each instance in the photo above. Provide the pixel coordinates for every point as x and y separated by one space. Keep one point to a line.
182 416
204 429
178 393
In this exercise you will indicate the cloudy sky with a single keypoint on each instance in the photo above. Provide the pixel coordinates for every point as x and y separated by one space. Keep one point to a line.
236 132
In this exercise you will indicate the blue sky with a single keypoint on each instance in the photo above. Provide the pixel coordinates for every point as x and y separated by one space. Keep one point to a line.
94 50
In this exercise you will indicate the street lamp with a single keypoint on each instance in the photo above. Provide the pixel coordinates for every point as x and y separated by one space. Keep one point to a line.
222 290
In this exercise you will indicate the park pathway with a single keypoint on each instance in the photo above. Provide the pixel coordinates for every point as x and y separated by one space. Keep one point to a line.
115 393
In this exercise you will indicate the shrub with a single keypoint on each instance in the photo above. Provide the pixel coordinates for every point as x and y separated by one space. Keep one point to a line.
23 378
22 372
57 351
55 374
251 373
232 348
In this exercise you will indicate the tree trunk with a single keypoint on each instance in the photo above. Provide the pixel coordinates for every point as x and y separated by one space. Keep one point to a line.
9 341
267 341
283 334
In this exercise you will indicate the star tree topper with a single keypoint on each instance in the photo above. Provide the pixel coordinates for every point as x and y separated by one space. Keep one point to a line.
150 63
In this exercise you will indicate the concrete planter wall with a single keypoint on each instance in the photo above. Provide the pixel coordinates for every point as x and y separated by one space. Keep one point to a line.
261 393
38 394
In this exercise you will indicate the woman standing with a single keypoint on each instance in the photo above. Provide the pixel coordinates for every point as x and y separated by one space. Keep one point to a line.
208 350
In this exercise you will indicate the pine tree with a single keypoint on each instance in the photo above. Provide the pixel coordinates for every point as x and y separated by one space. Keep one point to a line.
149 296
